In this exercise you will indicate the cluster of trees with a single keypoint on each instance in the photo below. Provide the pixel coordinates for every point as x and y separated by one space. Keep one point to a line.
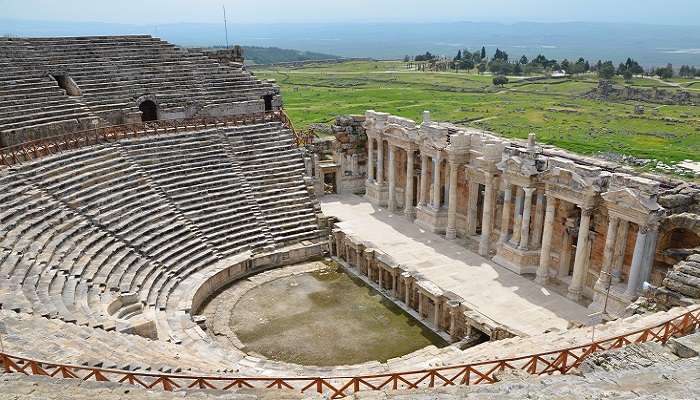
688 72
500 64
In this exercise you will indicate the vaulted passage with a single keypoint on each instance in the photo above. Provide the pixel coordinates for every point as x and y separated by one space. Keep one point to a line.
149 110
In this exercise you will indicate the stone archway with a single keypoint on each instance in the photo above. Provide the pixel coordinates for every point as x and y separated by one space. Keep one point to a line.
149 111
678 234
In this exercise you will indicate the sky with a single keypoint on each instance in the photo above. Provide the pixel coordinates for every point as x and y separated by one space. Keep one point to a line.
671 12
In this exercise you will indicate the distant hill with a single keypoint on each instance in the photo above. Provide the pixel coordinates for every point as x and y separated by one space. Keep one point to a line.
274 55
651 45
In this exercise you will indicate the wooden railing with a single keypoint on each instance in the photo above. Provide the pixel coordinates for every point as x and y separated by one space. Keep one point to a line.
56 144
547 363
302 137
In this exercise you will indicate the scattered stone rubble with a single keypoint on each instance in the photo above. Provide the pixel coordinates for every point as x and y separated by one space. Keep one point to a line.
607 90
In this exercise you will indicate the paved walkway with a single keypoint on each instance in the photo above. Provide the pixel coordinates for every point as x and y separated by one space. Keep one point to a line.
503 296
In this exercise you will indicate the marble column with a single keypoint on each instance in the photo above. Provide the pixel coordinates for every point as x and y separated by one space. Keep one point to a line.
545 253
436 313
507 206
446 188
423 195
392 178
565 251
525 224
473 208
451 231
577 277
408 201
380 272
380 161
635 279
453 321
650 252
611 235
407 293
370 160
420 304
436 182
487 219
518 218
536 239
619 250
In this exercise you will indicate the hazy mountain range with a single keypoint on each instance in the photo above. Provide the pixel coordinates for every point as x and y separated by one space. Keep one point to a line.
649 44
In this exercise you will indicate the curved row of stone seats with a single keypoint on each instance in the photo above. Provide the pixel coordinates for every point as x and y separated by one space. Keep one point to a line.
30 101
47 250
274 169
111 72
117 197
199 177
57 341
103 235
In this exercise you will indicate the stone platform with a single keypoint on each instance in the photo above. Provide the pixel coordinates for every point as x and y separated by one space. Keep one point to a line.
510 299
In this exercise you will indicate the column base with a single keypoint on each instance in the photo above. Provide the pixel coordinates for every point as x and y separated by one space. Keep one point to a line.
574 295
517 260
431 219
542 279
377 194
617 300
451 234
410 213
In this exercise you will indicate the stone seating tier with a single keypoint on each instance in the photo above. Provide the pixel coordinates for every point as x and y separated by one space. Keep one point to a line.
110 73
81 229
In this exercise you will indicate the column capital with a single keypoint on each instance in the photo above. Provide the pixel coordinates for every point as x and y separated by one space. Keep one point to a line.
586 210
489 177
529 190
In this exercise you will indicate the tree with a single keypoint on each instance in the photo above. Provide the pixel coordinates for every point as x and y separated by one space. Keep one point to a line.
523 60
579 67
459 56
586 67
621 69
606 70
481 67
500 55
517 69
566 66
500 80
483 52
598 65
466 62
627 74
406 58
666 72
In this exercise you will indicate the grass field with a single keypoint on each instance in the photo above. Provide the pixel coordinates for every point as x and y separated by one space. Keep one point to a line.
554 109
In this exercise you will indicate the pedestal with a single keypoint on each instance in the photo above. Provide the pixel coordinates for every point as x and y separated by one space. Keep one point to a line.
431 219
377 194
517 260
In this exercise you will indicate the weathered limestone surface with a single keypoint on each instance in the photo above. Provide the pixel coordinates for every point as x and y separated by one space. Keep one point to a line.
62 85
608 230
119 236
644 372
635 372
456 269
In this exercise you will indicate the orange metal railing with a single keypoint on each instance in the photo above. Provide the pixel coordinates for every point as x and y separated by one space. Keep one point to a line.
35 149
547 363
302 137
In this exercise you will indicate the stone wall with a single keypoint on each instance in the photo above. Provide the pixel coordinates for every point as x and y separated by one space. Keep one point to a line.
606 90
484 167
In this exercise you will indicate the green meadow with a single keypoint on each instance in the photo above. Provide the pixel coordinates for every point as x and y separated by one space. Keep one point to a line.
555 109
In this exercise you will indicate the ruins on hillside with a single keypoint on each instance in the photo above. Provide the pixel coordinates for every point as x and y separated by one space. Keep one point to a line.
599 230
147 187
52 86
